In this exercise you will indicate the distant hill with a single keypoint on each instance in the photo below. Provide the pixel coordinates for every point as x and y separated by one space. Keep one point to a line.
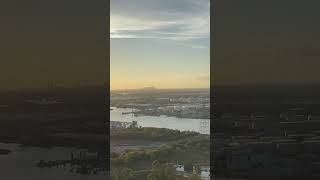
151 88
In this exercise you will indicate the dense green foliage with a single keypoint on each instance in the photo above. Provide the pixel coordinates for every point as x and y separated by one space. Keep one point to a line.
199 146
122 174
186 148
160 134
161 171
194 177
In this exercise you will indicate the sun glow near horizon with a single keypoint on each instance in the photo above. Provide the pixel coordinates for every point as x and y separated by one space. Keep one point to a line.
160 44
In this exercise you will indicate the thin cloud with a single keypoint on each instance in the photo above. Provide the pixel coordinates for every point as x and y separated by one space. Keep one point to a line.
183 20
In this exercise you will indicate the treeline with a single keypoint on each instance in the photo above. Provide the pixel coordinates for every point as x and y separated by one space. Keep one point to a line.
146 133
159 171
187 148
199 145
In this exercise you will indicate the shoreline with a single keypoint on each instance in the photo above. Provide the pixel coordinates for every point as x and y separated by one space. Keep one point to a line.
142 113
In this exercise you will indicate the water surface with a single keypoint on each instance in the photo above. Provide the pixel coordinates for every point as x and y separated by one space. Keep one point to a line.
182 124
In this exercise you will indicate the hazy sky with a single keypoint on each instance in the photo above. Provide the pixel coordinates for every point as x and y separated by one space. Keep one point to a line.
161 43
266 42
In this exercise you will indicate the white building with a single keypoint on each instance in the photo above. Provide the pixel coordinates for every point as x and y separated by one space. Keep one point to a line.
179 169
205 173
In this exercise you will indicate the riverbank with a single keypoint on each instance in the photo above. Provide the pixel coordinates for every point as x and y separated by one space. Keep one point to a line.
154 111
173 123
181 103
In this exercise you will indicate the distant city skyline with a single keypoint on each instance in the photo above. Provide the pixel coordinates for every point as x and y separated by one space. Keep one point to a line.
160 43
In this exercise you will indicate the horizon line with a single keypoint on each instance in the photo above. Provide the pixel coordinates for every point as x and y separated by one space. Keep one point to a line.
146 88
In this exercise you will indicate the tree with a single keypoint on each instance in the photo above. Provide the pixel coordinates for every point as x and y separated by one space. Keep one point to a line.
161 171
121 174
194 177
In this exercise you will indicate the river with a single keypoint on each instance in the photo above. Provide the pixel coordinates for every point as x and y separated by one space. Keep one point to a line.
183 124
21 162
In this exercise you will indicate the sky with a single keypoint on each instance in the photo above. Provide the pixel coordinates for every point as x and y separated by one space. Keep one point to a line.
159 43
45 41
266 42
